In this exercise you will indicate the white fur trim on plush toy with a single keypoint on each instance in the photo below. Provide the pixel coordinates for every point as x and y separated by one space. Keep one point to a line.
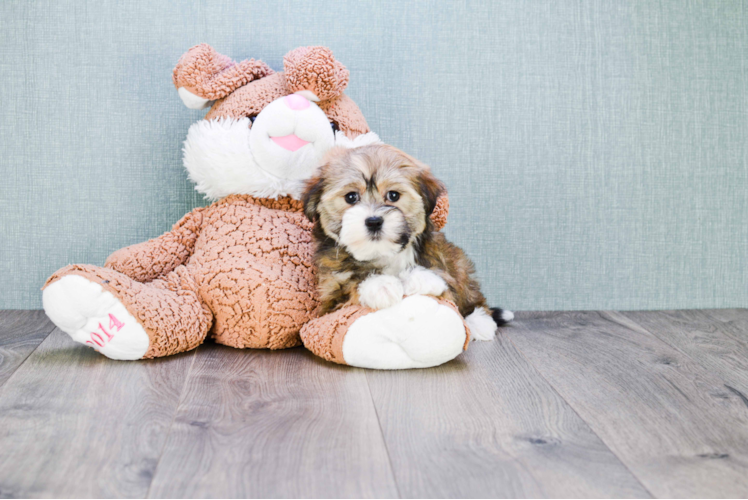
419 332
218 160
193 101
308 94
94 317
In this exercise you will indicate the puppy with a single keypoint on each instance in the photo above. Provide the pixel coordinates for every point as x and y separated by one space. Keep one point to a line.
375 241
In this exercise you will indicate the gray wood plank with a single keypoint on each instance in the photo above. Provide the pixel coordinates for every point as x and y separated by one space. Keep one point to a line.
20 333
670 420
76 424
488 425
273 424
733 323
719 345
738 317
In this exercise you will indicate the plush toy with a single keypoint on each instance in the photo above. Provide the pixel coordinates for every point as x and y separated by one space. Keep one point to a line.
240 270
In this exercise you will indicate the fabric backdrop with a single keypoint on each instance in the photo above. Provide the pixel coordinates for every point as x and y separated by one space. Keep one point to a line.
595 151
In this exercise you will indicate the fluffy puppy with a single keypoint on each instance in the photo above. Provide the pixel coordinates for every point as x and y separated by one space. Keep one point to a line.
375 241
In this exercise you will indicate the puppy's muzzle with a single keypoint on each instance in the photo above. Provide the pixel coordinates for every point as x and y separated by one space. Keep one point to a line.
374 224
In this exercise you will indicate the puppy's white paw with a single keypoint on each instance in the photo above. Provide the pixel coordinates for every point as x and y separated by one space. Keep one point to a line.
420 280
94 317
380 291
482 325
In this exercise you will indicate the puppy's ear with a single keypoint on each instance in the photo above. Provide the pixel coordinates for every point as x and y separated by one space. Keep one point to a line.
311 197
430 188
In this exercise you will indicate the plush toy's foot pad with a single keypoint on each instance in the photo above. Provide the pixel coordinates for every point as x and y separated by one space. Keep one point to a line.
94 317
418 332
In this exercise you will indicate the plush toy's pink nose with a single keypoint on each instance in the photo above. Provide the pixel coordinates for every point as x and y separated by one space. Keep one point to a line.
296 102
290 142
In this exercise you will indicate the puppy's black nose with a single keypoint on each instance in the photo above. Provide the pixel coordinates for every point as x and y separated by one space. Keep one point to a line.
374 223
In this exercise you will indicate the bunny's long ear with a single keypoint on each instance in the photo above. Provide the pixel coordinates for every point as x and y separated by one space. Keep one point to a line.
203 75
314 73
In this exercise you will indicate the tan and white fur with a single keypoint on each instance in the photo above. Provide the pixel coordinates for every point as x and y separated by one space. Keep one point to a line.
375 243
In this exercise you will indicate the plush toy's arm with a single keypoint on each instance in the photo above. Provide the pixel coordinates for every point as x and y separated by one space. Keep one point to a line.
147 261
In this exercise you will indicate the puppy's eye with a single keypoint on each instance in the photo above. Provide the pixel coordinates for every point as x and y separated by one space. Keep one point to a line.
351 198
393 196
334 126
253 118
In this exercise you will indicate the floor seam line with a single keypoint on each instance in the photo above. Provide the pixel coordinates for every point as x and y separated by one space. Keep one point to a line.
381 434
171 424
28 356
589 426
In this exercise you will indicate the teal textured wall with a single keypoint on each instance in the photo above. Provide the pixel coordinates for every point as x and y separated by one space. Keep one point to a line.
595 151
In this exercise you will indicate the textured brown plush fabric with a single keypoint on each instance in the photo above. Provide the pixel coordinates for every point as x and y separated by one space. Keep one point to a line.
169 308
250 99
254 259
208 74
441 211
315 69
242 264
157 257
324 336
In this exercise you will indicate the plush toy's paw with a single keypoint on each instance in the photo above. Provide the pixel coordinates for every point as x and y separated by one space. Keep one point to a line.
420 280
419 332
94 317
380 291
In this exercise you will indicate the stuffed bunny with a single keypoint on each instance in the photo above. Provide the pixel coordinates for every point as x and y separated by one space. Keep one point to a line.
240 269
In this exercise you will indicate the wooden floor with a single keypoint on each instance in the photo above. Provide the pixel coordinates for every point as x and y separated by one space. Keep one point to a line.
575 404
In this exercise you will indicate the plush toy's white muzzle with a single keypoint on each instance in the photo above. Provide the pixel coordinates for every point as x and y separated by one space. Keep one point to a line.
290 136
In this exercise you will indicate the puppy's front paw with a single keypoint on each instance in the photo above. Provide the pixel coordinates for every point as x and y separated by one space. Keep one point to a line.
380 291
420 280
